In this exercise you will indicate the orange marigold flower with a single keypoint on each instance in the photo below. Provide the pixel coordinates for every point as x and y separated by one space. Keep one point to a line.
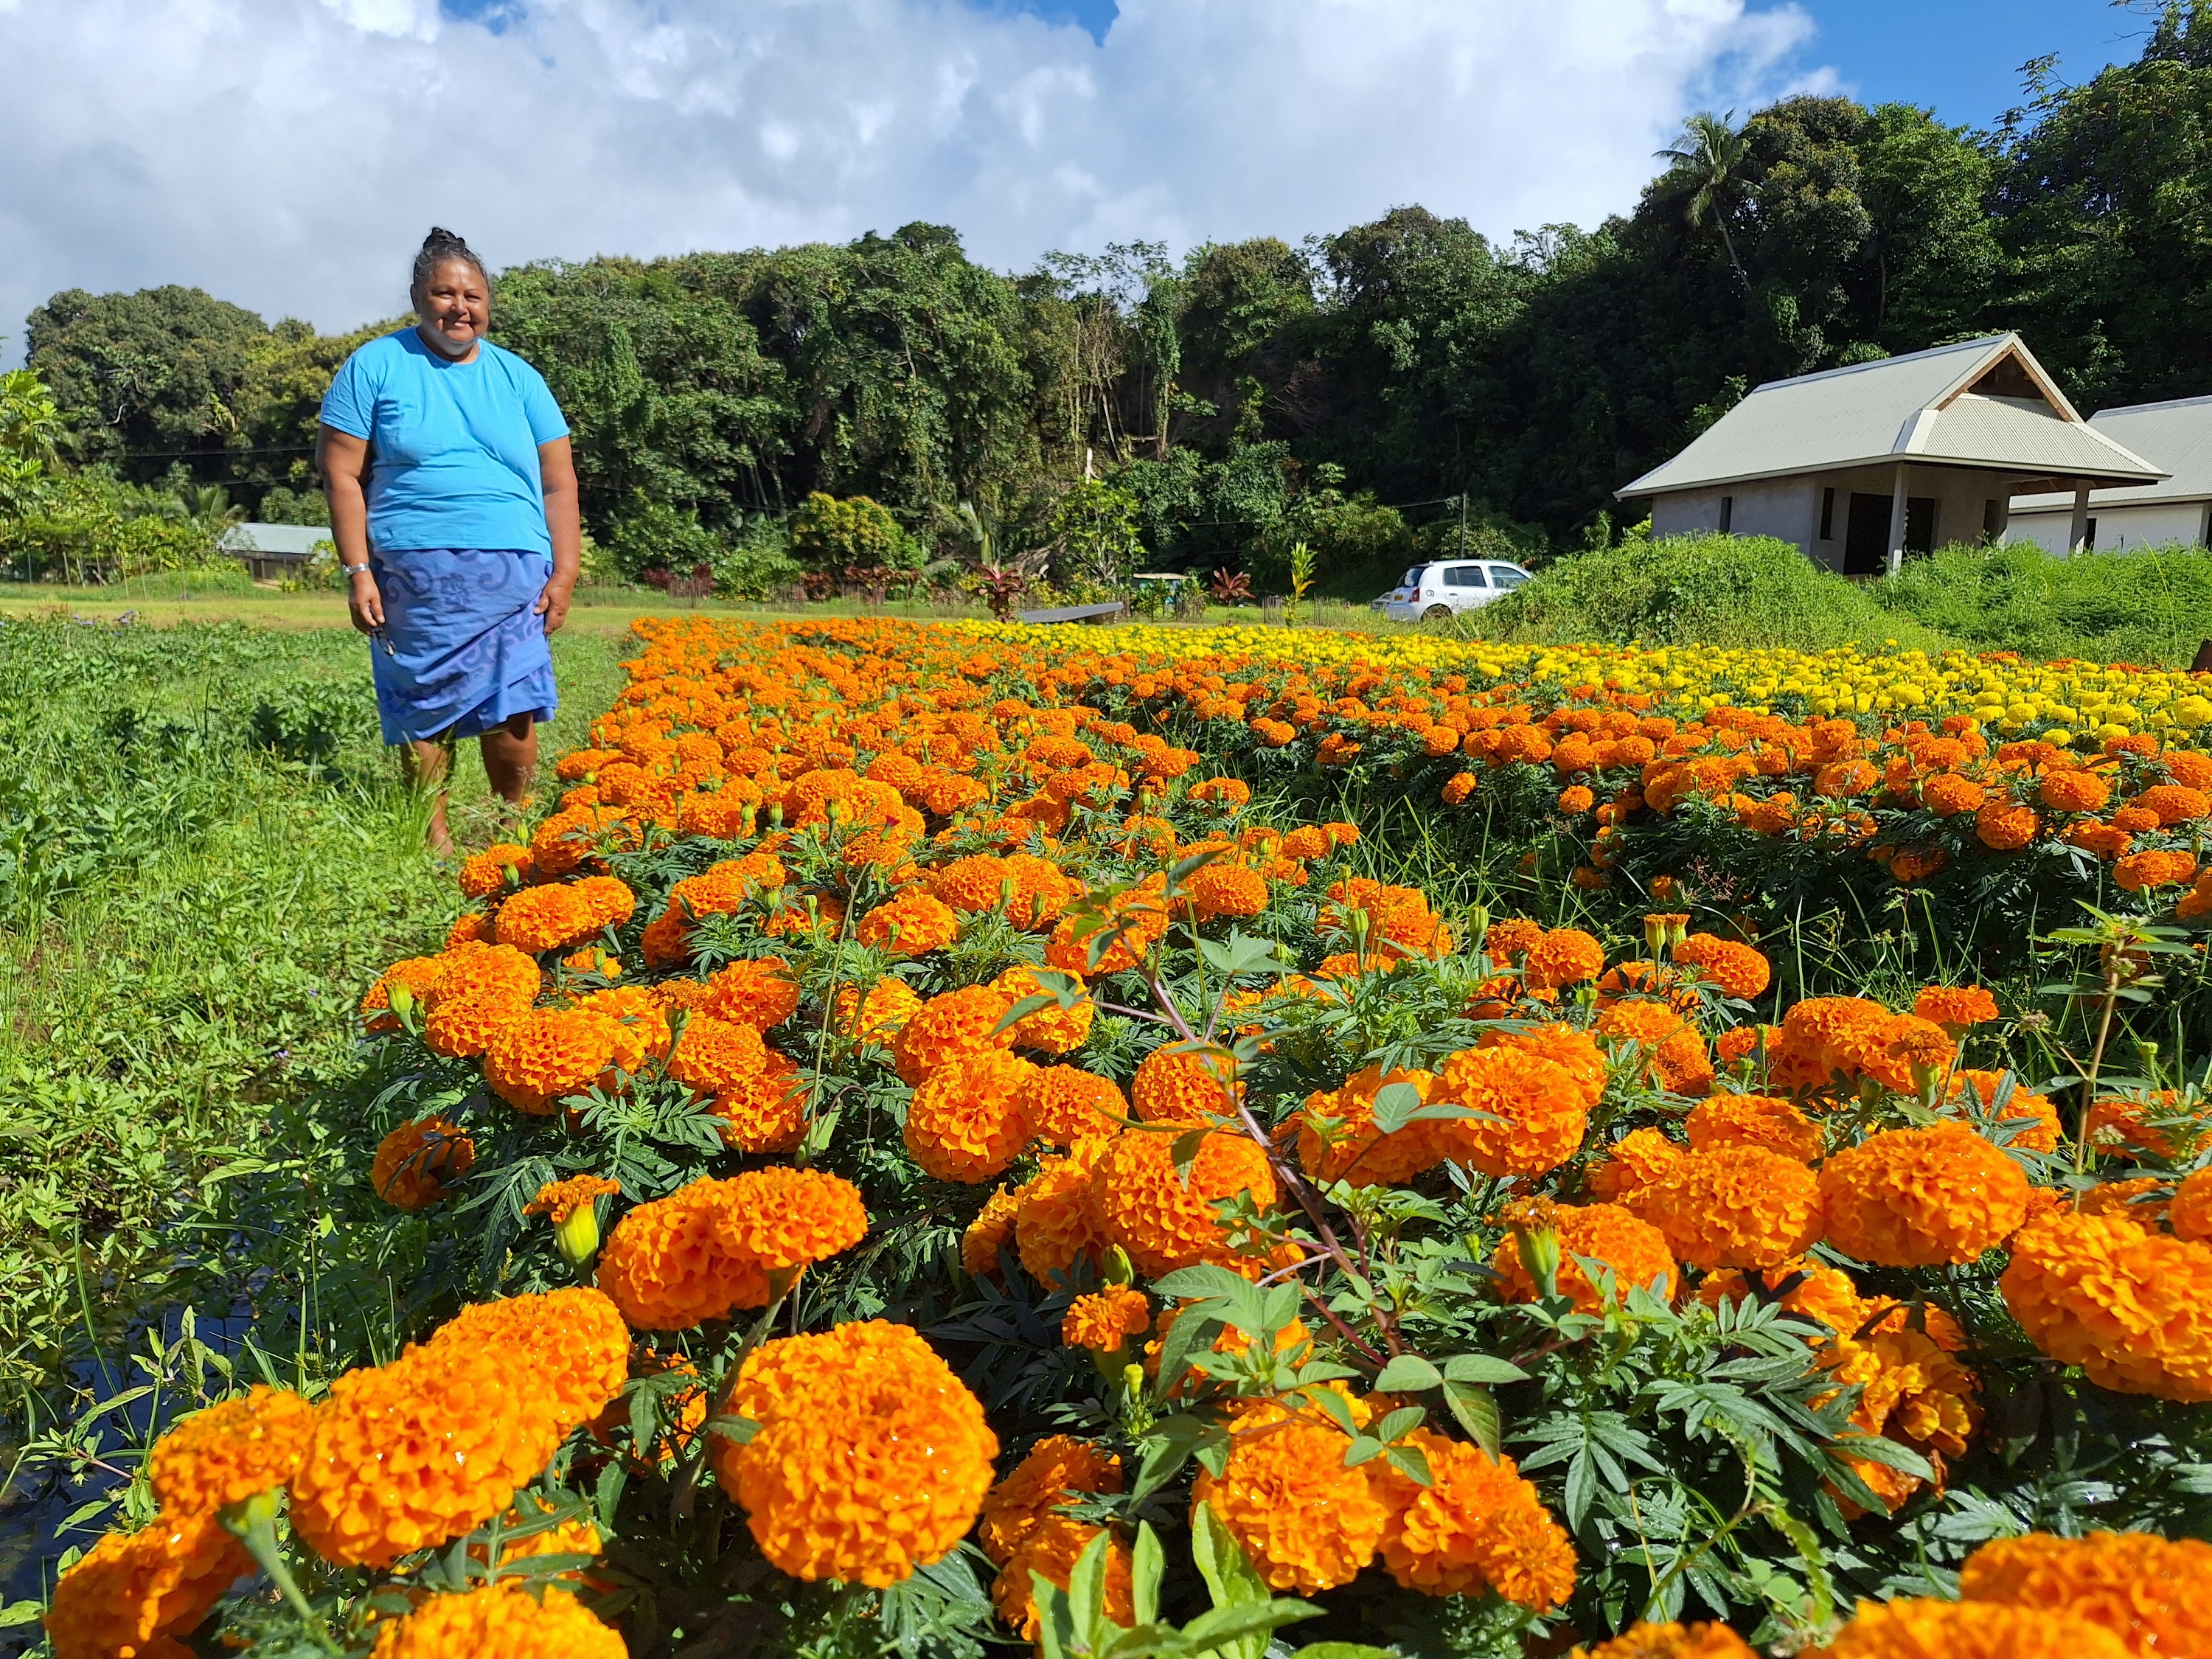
541 918
499 1620
1915 1198
572 1344
951 1027
1477 1526
1565 956
543 1055
498 868
1668 1046
1535 1111
1051 1550
416 973
1910 1628
1304 1521
1050 1029
1632 1165
1955 1007
965 1121
1225 792
2130 1307
1056 1469
2149 1591
1572 1049
1337 1139
666 1267
990 1232
407 1455
2141 871
877 1017
1511 939
782 1218
2003 824
478 992
228 1453
419 1163
1175 1084
1737 969
2191 1213
1635 1250
1163 1222
755 991
2073 790
557 1200
1058 1221
1104 1320
1754 1121
971 884
913 924
715 1054
1064 1103
1670 1641
765 1113
131 1590
1819 1292
1223 889
2173 803
1737 1206
867 1412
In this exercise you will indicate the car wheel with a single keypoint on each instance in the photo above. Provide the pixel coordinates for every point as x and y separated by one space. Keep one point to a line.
1436 613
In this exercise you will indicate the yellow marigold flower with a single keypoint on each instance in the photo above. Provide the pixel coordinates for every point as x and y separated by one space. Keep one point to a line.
1056 1468
1305 1521
1670 1641
2150 1592
965 1122
1955 1007
782 1218
1753 1120
913 924
416 973
877 1017
501 1620
228 1453
131 1590
945 1028
1477 1526
715 1054
572 1343
991 1232
869 1413
1632 1165
667 1269
1066 1103
1914 1198
1104 1320
407 1455
543 1055
1911 1628
1534 1112
2132 1308
1163 1222
1635 1250
1184 1086
1740 1206
1051 1549
559 1200
419 1163
765 1113
1057 1218
1052 1028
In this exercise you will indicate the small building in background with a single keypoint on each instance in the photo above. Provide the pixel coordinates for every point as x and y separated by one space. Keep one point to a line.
1860 467
272 551
2178 437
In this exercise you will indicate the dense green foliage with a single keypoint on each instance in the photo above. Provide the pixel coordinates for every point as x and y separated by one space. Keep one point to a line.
1371 388
2153 606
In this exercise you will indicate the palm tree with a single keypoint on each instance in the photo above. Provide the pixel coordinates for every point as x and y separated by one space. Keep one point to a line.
1704 159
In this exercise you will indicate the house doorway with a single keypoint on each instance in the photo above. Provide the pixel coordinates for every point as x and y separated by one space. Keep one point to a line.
1866 537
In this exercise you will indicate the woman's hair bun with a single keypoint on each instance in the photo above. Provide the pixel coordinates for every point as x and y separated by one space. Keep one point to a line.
439 245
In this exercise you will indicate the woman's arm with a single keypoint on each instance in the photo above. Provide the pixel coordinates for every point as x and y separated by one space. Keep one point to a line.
557 474
342 459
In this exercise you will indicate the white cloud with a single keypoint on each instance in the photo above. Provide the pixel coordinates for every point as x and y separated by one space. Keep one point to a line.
290 156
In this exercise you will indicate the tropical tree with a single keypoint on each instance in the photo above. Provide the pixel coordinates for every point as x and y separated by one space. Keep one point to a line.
1706 161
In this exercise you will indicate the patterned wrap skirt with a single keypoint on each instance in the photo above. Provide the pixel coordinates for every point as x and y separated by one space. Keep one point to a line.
462 651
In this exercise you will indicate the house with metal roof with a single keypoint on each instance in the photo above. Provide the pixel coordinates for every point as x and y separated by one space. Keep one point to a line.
2178 436
272 551
1860 465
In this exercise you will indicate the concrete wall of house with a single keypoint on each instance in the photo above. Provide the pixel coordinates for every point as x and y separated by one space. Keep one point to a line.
2120 529
1791 508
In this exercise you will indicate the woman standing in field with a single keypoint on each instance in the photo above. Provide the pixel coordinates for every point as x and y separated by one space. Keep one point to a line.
452 499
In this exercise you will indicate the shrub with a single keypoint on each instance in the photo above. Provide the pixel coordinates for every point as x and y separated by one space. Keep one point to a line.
660 545
2150 607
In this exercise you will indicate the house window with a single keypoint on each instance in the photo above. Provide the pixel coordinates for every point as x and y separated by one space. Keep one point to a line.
1828 515
1920 524
1727 514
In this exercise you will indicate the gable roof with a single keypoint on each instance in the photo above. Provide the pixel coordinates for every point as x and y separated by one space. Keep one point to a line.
2177 435
1985 404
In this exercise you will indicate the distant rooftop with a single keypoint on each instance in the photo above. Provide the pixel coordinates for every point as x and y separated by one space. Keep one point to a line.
2177 435
1984 403
277 540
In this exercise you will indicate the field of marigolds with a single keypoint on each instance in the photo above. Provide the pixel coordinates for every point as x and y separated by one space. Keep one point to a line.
960 1138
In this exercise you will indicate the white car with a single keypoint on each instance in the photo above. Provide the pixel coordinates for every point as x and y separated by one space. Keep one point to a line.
1433 591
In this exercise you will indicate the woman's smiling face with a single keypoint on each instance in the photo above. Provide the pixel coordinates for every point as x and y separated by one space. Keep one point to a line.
455 306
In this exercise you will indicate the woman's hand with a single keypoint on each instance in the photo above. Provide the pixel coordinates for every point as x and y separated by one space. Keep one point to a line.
366 603
553 602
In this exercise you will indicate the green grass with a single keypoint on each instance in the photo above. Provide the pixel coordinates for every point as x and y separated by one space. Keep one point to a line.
204 857
2153 608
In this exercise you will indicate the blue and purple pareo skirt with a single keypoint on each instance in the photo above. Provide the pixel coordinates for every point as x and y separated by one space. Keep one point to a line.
467 651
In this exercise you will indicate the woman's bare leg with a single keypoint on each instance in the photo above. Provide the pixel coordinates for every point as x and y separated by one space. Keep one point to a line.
426 762
510 760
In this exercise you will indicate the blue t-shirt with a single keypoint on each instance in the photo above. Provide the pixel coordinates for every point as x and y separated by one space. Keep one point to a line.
455 460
